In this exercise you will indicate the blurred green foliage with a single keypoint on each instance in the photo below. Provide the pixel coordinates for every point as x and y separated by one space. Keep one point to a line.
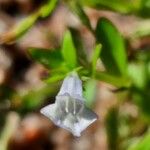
123 6
141 144
22 27
112 127
110 48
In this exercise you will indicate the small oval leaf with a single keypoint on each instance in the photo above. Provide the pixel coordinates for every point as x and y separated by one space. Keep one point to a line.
49 58
113 52
69 51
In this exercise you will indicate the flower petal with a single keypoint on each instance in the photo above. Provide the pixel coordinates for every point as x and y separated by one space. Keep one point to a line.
72 85
52 112
86 118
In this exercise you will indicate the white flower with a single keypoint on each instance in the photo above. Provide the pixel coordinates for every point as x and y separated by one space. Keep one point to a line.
69 110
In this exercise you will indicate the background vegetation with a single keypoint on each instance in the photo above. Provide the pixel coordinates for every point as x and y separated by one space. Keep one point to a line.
106 42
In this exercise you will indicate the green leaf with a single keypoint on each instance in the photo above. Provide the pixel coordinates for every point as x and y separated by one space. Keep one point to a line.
96 54
122 6
112 127
111 79
90 92
47 8
113 52
57 74
19 30
48 58
22 27
55 78
25 25
145 8
69 51
79 11
80 49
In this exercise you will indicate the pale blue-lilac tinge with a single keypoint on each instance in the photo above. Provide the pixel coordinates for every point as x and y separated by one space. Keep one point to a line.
69 110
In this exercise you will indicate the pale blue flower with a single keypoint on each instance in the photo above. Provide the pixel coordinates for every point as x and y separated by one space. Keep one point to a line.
69 110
